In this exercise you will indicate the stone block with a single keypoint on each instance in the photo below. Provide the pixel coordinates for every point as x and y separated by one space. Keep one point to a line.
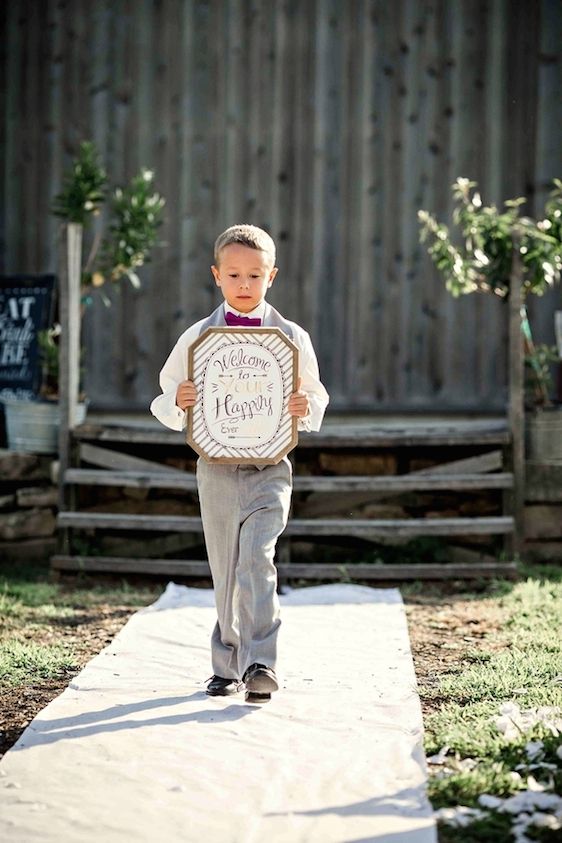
543 521
326 504
358 464
413 500
136 493
474 539
14 465
7 502
382 510
543 551
27 523
29 550
421 463
543 482
127 506
479 508
37 496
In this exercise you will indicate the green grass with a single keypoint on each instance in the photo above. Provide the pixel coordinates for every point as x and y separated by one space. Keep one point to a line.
23 661
497 828
31 587
521 672
30 603
527 669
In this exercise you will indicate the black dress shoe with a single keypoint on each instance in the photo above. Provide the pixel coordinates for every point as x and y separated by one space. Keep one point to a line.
219 686
260 679
254 697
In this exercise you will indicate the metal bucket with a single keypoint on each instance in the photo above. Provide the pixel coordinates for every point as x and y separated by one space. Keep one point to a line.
33 426
544 434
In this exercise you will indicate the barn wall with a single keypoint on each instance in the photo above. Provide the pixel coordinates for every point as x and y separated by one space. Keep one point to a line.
329 124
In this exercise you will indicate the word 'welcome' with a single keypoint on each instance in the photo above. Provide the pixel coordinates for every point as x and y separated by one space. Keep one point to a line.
240 359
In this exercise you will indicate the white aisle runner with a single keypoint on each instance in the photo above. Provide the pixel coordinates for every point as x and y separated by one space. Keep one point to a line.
134 750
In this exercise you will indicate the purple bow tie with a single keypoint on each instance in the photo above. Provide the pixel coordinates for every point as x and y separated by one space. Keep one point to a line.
233 320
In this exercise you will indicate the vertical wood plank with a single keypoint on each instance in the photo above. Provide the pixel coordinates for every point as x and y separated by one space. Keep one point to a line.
305 307
326 185
547 165
391 111
516 413
327 123
70 254
13 164
422 151
282 175
123 315
99 374
236 106
146 324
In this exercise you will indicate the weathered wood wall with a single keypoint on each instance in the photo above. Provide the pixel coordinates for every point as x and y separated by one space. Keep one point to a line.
327 122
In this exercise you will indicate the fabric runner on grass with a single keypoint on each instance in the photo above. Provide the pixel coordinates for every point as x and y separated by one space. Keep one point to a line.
134 750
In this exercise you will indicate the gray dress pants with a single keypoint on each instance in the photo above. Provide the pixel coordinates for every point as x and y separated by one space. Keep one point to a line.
244 510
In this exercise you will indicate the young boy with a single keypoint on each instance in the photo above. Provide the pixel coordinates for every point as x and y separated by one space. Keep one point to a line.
244 508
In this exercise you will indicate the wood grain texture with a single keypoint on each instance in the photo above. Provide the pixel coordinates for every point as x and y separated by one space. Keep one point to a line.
343 435
329 124
371 528
200 568
153 478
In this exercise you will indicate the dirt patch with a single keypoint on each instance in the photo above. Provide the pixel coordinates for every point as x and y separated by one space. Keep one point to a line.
87 633
443 631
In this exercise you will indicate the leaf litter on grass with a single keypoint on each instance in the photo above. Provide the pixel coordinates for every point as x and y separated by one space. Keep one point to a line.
496 767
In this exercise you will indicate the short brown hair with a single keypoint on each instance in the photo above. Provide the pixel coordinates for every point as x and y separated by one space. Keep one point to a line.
247 235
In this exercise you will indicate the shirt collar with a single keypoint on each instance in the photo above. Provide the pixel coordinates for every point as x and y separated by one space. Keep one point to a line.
257 313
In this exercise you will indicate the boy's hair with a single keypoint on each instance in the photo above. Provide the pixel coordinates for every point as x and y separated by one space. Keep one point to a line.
247 235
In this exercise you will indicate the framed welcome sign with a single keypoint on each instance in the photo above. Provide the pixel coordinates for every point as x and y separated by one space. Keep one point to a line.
244 378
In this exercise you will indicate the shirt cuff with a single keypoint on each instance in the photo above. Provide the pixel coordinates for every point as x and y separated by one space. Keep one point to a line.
181 415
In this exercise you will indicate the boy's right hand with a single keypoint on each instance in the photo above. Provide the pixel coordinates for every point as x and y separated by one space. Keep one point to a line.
186 395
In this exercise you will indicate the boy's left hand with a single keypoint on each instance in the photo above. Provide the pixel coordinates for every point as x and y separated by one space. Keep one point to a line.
299 404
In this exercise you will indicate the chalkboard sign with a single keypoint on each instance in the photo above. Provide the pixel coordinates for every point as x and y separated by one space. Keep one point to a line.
25 308
244 379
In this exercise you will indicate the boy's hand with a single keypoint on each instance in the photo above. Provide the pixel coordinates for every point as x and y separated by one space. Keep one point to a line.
299 404
186 395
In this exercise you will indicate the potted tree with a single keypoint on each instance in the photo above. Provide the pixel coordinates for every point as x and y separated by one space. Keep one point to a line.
117 250
483 265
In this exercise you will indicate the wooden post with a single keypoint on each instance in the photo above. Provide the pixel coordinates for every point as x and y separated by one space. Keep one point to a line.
69 272
516 410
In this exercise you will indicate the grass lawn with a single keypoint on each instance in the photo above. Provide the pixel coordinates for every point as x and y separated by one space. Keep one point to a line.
512 672
33 610
476 648
48 631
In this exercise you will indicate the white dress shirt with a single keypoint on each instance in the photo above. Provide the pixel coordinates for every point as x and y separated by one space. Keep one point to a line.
174 371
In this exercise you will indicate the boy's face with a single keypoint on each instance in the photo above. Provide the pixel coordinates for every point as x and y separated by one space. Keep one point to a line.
244 276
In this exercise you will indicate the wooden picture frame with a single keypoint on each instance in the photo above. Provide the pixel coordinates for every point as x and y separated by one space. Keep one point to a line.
244 378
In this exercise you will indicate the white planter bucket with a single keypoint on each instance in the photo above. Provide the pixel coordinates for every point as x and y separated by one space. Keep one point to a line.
543 430
33 426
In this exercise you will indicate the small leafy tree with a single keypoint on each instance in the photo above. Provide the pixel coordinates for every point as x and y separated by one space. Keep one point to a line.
84 187
132 233
483 263
135 214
